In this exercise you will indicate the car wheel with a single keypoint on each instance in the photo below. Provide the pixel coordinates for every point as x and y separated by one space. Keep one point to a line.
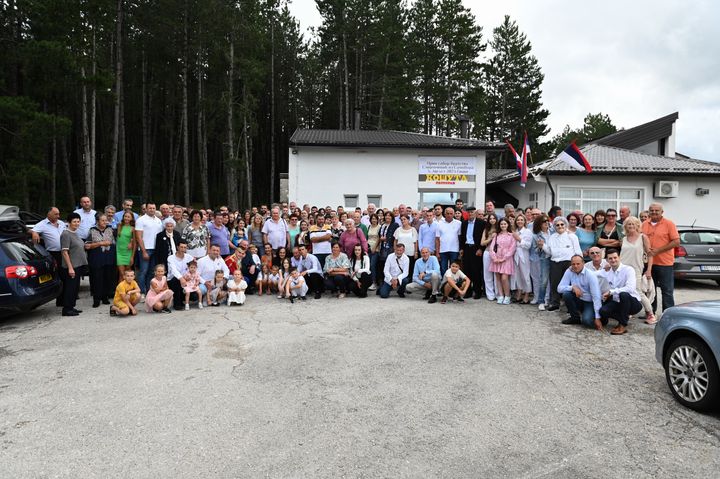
692 374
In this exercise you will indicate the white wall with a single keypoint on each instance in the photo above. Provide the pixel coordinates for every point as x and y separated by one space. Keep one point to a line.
684 209
323 175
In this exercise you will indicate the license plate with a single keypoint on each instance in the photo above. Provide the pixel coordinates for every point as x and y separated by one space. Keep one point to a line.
45 278
710 268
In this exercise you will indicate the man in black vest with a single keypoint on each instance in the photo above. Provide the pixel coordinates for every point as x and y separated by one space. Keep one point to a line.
471 252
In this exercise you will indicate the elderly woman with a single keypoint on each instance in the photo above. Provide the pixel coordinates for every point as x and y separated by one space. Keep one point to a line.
74 264
350 237
100 248
609 234
635 246
561 247
196 235
408 236
337 271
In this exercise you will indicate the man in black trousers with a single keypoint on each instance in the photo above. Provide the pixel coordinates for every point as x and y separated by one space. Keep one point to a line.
471 252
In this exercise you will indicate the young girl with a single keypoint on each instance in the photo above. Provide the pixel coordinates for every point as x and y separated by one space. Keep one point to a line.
159 296
488 236
217 293
296 286
272 281
521 278
262 281
284 275
236 289
502 250
191 284
127 295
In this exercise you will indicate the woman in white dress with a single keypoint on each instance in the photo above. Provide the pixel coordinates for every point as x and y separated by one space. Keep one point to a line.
488 235
521 279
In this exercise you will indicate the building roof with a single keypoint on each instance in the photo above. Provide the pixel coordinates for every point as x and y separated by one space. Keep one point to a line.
607 160
640 135
494 173
386 139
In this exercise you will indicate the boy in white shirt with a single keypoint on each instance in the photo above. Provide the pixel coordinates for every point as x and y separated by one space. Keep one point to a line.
454 283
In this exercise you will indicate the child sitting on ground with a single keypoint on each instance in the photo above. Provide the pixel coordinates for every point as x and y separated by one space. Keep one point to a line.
262 283
296 285
217 292
191 284
454 283
236 289
127 295
159 296
273 280
284 275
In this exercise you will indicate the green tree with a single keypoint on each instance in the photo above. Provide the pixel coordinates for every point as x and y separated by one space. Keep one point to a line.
595 125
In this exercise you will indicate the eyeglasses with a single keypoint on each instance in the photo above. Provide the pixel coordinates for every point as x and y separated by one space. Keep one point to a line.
610 216
560 224
594 252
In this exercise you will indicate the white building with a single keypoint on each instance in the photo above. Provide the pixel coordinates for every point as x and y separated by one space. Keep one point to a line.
633 167
356 167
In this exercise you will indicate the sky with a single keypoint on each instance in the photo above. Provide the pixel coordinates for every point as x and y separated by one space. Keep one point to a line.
635 60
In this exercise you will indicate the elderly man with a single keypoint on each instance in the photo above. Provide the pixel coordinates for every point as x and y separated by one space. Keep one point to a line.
428 232
275 231
447 240
401 211
309 267
180 222
110 211
166 213
624 213
49 231
426 275
359 224
471 253
623 298
599 266
87 217
371 208
208 265
396 273
580 290
664 238
176 269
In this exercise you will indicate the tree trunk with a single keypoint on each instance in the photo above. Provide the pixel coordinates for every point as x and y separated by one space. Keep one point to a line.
122 158
231 175
347 82
201 139
86 161
248 158
146 156
93 119
68 174
53 171
382 93
272 111
114 157
185 133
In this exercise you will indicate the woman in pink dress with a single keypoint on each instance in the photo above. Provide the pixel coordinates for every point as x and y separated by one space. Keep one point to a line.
159 296
502 251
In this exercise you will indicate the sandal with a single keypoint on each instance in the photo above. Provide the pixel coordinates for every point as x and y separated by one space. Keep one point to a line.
650 319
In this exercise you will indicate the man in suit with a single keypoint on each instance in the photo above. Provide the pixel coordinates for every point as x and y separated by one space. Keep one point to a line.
471 252
166 242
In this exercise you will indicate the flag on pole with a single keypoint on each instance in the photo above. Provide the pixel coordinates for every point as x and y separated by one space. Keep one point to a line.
524 161
574 158
518 160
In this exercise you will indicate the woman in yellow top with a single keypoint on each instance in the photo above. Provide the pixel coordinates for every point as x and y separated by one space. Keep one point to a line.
127 295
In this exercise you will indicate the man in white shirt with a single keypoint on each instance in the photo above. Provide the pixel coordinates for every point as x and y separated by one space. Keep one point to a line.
309 268
371 208
447 240
208 265
49 231
623 299
320 237
397 270
598 265
87 217
275 231
177 267
147 228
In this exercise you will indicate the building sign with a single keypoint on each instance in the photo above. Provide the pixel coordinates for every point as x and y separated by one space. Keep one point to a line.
452 171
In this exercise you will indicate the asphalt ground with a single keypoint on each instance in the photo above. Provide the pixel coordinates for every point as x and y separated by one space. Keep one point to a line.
342 388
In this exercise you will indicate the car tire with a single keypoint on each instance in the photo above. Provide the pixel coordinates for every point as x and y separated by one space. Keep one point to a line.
692 374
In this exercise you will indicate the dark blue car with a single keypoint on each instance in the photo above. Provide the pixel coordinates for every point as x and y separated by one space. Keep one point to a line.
687 344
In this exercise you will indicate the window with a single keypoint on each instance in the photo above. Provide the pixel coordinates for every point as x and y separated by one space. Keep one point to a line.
533 199
589 200
351 201
375 199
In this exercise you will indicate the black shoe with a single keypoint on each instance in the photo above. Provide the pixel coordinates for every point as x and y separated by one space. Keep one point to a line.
427 295
105 301
303 298
476 296
70 313
433 299
570 320
401 295
460 300
292 299
318 295
468 295
165 311
113 312
552 307
96 303
78 311
408 292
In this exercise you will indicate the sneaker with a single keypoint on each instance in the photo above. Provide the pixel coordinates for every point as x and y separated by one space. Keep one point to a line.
187 307
490 299
142 298
280 296
552 307
460 300
506 300
500 300
541 307
200 306
341 295
373 287
433 299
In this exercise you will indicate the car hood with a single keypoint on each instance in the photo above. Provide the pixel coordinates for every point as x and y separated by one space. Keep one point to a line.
707 310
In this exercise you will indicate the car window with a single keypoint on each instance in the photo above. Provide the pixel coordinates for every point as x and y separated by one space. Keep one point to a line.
700 237
20 251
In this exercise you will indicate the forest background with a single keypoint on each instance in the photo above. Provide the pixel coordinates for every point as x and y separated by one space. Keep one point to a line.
194 102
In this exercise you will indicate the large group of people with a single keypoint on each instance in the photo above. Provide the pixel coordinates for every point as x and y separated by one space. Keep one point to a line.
602 265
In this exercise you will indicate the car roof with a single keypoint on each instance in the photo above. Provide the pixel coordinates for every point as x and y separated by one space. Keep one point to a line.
696 227
9 213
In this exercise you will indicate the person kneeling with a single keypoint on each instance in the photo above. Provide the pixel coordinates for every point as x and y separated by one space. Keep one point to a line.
580 290
426 275
127 295
396 273
455 283
297 287
623 299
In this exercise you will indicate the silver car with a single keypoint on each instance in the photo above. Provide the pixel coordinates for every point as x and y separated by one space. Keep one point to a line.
687 344
698 256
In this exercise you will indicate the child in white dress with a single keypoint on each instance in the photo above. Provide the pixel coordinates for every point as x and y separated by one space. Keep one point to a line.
236 289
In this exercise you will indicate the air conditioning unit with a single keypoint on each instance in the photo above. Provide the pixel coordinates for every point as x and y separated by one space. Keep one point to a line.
666 189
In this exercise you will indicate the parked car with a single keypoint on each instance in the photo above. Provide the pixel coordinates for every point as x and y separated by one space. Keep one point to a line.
687 344
28 274
698 256
30 219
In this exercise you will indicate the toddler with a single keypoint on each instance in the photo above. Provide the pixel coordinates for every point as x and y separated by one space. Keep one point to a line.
191 284
236 289
217 293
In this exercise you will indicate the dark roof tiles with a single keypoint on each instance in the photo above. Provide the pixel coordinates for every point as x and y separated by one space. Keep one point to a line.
386 139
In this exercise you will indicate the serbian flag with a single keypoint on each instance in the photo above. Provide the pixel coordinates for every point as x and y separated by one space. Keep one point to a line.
518 160
574 158
524 162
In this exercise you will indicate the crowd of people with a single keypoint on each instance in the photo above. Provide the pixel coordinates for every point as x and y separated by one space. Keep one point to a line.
602 265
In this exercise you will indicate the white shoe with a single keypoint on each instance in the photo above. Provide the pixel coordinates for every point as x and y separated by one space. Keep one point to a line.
541 307
142 298
372 287
341 295
506 300
500 299
187 307
200 306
